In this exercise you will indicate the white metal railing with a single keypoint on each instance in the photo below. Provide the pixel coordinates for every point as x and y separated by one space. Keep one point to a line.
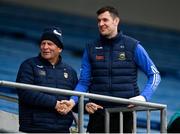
146 106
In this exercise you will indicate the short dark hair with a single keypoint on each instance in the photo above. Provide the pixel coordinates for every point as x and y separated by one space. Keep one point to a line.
110 9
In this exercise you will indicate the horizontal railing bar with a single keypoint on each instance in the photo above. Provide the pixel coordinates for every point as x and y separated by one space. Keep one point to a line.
75 93
126 109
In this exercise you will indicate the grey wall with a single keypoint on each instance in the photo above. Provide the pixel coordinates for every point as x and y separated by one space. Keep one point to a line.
159 13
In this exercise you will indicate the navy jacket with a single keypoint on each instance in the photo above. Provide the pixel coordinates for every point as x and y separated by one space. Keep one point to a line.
109 67
114 72
37 109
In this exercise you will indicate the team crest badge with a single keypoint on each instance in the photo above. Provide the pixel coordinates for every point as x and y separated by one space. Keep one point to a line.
42 73
122 56
65 75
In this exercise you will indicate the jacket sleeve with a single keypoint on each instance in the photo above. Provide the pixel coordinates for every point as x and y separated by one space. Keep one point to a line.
144 62
85 76
36 98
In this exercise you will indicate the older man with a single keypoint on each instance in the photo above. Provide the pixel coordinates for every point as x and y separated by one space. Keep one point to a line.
39 111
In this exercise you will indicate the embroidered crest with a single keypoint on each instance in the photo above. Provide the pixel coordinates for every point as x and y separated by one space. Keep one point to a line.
65 75
122 56
42 73
122 46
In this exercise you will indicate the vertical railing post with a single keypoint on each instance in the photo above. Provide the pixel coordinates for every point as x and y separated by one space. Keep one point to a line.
148 121
134 122
163 121
121 122
107 121
81 114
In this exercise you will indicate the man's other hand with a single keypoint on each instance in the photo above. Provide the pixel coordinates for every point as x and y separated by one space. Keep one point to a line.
92 107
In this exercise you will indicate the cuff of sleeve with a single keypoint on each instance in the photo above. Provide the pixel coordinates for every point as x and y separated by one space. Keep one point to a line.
144 97
75 99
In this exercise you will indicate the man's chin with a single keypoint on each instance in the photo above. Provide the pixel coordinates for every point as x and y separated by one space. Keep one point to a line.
46 57
105 35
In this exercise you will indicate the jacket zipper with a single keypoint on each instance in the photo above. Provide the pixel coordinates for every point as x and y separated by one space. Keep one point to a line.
54 68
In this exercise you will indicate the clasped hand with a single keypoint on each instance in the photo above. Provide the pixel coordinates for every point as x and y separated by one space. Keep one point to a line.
64 106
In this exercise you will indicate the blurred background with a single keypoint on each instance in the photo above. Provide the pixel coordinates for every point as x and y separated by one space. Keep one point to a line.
155 23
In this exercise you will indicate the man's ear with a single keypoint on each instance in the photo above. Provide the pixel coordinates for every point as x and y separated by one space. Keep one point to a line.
60 50
117 20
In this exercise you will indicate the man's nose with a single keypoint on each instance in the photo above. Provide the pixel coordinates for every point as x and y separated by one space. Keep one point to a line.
101 23
45 45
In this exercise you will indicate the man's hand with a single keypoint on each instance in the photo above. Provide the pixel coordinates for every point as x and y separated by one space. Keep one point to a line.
67 106
60 107
92 107
137 98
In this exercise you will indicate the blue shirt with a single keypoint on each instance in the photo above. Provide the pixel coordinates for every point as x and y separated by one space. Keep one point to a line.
142 60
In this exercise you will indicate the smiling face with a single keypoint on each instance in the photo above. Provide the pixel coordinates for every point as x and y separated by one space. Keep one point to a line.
108 24
50 51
